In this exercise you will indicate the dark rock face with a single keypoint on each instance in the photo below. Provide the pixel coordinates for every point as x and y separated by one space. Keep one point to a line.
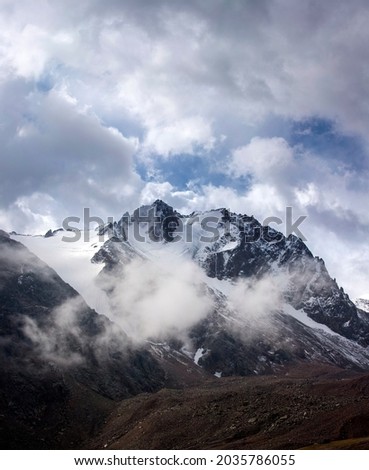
244 350
113 253
156 223
323 301
160 218
261 251
53 347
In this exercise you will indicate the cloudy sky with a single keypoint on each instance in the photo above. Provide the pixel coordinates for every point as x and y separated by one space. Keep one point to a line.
254 105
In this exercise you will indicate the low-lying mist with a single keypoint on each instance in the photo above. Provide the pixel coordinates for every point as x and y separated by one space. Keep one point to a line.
158 300
60 340
256 299
151 301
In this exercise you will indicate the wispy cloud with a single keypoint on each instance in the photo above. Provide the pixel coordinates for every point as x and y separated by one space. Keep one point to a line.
151 301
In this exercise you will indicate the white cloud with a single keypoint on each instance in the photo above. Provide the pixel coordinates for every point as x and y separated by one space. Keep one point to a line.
180 73
184 136
255 299
151 301
261 158
167 64
153 191
53 343
309 195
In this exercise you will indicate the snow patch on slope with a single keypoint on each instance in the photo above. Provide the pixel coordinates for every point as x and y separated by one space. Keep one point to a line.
333 342
198 355
302 317
72 261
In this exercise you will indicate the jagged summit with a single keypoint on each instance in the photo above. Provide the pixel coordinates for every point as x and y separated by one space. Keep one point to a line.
160 205
157 209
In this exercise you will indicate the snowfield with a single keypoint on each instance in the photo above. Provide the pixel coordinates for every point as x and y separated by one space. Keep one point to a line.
72 261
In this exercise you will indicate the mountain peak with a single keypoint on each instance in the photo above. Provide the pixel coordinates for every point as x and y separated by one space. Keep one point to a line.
158 208
162 207
160 203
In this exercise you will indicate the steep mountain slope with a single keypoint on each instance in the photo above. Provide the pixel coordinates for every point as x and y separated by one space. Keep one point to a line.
59 359
270 301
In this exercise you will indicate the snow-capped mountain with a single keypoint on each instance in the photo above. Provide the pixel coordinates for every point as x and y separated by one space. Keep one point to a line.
216 288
